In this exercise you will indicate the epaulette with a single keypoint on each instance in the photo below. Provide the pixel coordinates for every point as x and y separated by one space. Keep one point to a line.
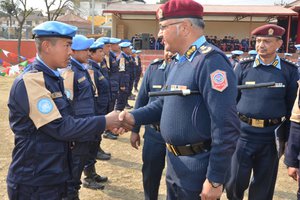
205 49
247 59
157 61
290 62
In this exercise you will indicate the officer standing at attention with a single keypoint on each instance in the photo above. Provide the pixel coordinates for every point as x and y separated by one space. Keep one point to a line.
154 149
291 158
125 67
261 111
236 57
40 164
92 179
202 138
78 81
138 73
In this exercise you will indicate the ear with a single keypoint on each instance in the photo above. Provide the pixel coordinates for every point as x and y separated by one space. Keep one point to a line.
46 46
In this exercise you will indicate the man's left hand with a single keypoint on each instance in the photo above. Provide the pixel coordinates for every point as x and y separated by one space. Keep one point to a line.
209 192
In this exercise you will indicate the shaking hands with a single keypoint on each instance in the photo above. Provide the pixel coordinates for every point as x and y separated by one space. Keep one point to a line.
119 122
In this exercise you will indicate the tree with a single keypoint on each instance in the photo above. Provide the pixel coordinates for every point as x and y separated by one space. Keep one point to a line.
62 4
18 10
8 9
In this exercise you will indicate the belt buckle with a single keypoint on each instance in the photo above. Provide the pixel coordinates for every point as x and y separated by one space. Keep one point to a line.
259 123
172 149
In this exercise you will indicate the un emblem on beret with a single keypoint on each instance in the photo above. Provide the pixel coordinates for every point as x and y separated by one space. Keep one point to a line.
160 13
45 106
271 31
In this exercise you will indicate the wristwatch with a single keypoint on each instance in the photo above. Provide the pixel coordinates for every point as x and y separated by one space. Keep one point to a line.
214 185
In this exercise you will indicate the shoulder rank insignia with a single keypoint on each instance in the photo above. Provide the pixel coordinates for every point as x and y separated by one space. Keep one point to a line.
205 49
190 51
219 80
291 62
275 63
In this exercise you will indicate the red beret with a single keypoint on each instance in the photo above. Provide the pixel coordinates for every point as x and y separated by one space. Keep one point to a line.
269 30
179 9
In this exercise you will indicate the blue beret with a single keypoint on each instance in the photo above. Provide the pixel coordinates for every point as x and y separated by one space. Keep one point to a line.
133 51
114 40
105 40
97 45
125 44
237 52
138 51
54 29
228 55
252 52
80 42
297 46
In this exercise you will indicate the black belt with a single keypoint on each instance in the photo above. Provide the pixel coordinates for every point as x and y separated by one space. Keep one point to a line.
156 127
189 149
260 123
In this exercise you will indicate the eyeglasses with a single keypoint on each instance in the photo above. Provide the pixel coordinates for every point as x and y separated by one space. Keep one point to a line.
163 27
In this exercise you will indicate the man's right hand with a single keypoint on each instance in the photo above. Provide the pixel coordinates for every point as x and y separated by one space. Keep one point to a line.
294 173
135 140
114 124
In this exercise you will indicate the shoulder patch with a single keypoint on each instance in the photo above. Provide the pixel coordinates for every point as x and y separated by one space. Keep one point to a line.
156 61
219 80
42 107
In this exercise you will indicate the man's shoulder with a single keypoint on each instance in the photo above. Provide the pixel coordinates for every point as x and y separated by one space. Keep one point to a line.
247 60
157 61
289 62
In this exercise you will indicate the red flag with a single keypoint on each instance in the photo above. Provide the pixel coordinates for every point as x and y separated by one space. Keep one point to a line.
6 70
12 55
5 64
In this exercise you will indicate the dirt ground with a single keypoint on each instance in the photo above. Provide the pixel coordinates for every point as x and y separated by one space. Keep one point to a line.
123 170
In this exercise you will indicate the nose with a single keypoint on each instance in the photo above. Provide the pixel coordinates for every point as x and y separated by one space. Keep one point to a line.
160 33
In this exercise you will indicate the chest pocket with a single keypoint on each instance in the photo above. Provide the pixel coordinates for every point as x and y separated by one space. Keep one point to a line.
42 108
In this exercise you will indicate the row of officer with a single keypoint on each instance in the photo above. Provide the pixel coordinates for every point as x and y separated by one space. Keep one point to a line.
40 116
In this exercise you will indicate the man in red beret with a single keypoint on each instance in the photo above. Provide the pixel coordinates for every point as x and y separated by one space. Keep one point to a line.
261 112
200 131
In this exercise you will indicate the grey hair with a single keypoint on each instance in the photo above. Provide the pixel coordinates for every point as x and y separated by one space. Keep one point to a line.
197 22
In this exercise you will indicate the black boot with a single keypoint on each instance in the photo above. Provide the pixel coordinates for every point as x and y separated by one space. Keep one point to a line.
89 181
102 151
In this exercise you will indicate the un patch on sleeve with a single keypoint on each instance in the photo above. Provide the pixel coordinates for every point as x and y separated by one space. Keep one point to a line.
44 106
219 80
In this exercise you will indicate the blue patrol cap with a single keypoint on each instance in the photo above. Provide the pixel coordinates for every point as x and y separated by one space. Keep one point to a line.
97 45
138 51
80 42
297 46
237 52
105 40
114 40
133 50
252 52
54 29
125 44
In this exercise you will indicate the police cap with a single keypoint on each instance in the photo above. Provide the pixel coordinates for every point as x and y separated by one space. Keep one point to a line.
80 42
54 29
252 52
114 40
125 44
269 30
105 40
297 46
237 52
179 9
97 45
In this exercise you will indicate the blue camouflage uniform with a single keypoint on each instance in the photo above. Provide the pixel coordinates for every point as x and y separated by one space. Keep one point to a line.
207 121
261 111
41 158
154 149
291 158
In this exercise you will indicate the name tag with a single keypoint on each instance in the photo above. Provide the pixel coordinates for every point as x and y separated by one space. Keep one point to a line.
279 85
81 79
178 87
157 86
56 95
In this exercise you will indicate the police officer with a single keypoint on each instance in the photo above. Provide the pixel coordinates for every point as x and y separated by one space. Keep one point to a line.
252 53
125 69
291 158
78 80
261 111
40 164
138 68
101 103
154 149
236 57
201 139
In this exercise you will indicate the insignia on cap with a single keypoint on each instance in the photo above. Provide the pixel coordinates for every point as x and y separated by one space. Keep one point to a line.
45 106
160 13
270 31
219 80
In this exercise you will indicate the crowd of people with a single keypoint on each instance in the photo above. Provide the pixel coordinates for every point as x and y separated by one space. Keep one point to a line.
214 134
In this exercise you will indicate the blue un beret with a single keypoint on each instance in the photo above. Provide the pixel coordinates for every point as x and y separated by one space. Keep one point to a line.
252 52
114 40
80 42
237 52
97 45
297 46
133 51
125 44
138 51
104 40
54 29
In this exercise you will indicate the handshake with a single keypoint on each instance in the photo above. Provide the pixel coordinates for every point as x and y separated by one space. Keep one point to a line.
119 122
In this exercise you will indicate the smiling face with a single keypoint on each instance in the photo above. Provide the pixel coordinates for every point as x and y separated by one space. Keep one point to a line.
266 46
